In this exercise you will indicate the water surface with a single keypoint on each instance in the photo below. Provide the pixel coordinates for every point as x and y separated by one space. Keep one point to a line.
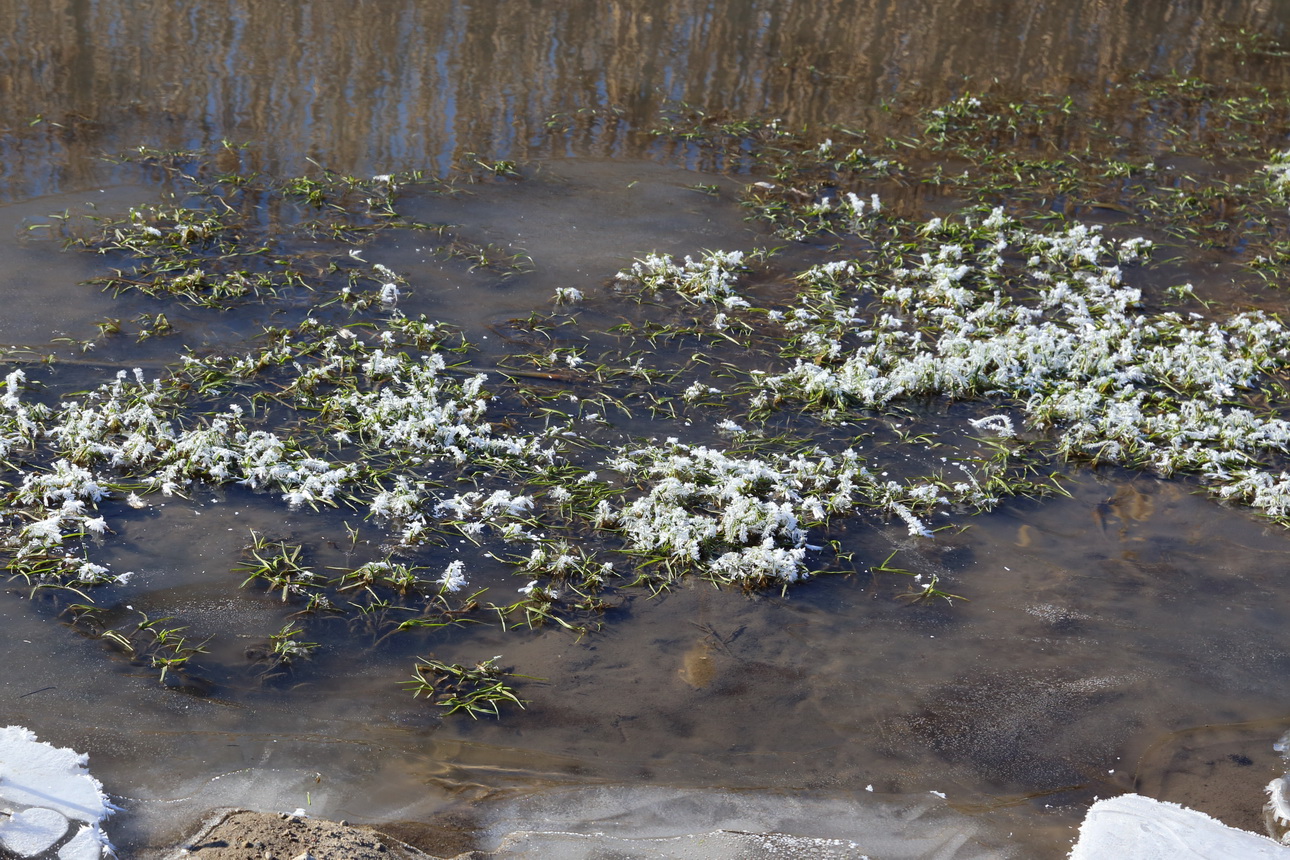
1129 637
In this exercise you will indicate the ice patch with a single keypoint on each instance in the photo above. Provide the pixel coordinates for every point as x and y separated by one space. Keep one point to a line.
661 822
1133 827
85 845
1278 803
48 787
31 831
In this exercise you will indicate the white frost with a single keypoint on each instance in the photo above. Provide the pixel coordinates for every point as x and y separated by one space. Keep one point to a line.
32 831
49 781
1133 827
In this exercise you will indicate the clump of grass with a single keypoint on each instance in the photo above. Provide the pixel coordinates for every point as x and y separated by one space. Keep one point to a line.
287 645
279 566
929 591
148 642
212 245
489 257
481 689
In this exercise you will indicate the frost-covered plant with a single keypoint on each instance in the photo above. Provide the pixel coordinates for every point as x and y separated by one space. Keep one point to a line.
20 422
711 278
858 211
1078 356
734 519
454 577
1279 170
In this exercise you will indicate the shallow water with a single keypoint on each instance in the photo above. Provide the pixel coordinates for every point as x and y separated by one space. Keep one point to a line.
1127 638
375 87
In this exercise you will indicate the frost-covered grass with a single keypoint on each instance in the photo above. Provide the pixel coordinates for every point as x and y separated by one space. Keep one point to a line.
1046 323
905 375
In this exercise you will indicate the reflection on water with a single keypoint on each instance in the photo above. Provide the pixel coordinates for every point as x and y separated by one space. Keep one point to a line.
1126 638
571 223
381 85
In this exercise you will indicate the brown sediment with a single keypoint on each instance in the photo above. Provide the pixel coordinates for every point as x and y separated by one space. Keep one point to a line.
242 834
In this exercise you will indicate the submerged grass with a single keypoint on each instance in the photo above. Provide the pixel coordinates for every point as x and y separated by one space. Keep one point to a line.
477 690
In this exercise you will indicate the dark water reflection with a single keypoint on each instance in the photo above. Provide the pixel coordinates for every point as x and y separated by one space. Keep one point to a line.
373 86
1109 637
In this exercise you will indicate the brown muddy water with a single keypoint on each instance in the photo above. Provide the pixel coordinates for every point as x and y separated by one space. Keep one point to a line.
1129 637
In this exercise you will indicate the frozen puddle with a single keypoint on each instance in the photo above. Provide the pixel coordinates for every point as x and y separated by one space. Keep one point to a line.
50 807
653 823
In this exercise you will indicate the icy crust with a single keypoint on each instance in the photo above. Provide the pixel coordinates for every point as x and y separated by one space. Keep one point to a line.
1133 827
47 794
657 822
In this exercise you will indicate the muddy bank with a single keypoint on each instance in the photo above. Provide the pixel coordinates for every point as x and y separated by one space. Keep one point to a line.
241 834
